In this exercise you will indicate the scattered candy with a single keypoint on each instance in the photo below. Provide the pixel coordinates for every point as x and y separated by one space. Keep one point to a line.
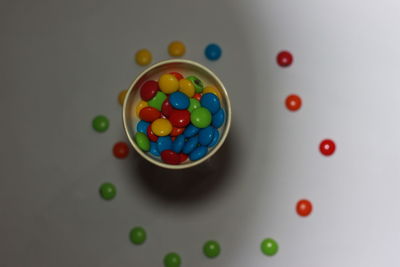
211 249
213 52
142 141
108 191
327 147
100 123
269 247
137 235
121 97
172 260
284 58
168 83
304 207
121 149
176 49
293 102
143 57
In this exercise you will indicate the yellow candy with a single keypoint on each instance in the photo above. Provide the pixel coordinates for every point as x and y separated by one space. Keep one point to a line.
211 89
161 127
143 57
176 49
186 87
168 83
121 96
142 104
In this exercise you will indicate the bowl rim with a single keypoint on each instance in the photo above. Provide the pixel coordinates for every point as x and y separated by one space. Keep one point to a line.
227 119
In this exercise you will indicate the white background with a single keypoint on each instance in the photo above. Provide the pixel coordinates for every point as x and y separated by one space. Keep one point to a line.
64 62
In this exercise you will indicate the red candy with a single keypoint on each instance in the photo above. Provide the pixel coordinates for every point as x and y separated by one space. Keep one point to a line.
177 131
177 75
197 96
293 102
149 90
149 114
304 207
151 135
284 58
170 157
166 108
180 118
327 147
183 157
121 150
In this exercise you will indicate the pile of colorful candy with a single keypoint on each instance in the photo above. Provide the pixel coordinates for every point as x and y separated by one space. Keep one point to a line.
179 118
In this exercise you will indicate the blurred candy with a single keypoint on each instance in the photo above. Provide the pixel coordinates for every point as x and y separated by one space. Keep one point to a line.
213 52
121 149
284 58
143 57
176 49
100 123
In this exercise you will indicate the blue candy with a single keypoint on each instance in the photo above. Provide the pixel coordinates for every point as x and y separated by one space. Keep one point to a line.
198 153
206 135
218 118
177 145
154 149
142 126
190 130
164 143
190 144
213 52
210 102
215 139
179 100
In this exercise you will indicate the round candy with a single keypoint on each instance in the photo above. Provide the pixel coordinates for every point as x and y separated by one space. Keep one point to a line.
177 75
213 52
143 57
178 143
180 118
206 135
172 260
293 102
190 144
149 114
190 131
170 157
198 84
284 58
168 83
215 139
164 143
194 104
142 141
211 249
121 96
121 149
150 134
137 235
213 90
179 100
142 104
157 100
108 191
304 207
327 147
197 96
148 90
154 149
176 49
166 108
269 247
211 102
218 118
198 153
142 126
186 87
201 117
161 127
177 131
100 123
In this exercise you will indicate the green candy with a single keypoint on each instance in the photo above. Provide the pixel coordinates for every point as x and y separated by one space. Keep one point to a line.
137 235
201 117
108 191
172 260
211 249
194 104
157 101
142 141
100 123
197 83
269 247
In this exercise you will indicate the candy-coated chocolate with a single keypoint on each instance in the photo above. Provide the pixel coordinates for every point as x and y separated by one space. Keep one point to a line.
177 75
206 135
150 134
215 139
327 147
269 247
149 114
211 102
211 249
166 108
121 96
161 127
179 100
108 191
190 131
170 157
177 131
142 104
198 153
304 207
143 57
154 149
293 102
148 90
213 52
213 90
284 58
180 118
177 145
157 100
183 156
100 123
201 117
142 141
172 260
142 126
194 104
186 87
164 143
218 118
168 83
137 235
198 84
176 49
197 96
121 150
190 144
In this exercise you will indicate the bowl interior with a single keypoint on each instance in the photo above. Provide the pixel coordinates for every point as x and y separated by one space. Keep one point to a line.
186 68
